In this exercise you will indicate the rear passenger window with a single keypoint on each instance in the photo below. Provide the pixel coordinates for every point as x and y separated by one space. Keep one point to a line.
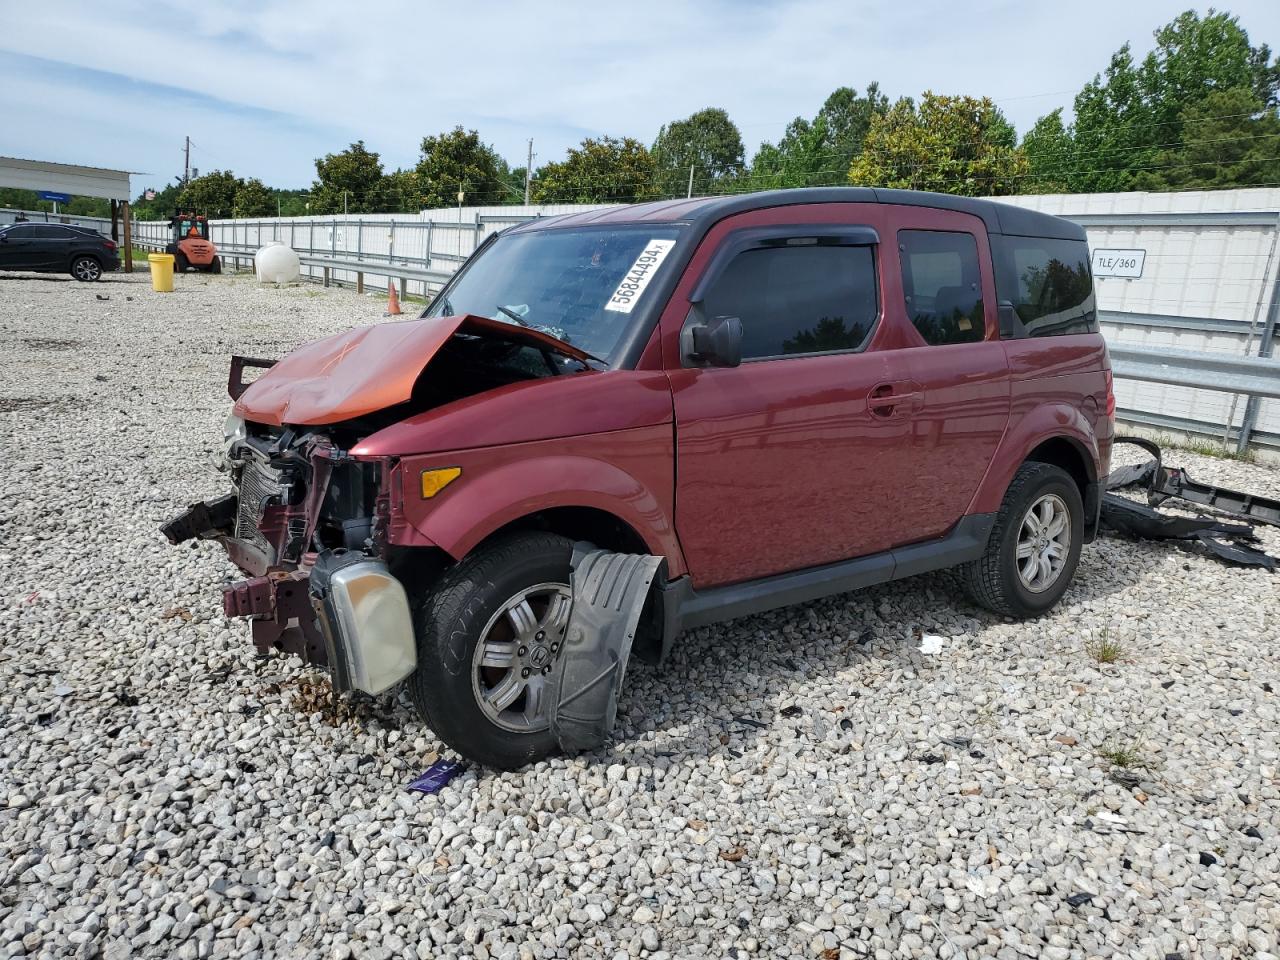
798 296
942 284
1049 284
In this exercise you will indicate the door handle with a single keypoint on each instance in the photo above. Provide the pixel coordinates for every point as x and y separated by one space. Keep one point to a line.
899 399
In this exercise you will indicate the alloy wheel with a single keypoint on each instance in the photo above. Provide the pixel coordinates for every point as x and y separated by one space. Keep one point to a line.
1044 543
513 659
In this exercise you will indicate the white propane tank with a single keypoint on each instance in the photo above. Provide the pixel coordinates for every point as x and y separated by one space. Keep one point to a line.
276 263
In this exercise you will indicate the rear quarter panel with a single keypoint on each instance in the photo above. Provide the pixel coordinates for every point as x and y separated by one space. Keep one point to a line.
1058 389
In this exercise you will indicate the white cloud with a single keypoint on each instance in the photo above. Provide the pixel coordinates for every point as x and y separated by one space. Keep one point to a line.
392 72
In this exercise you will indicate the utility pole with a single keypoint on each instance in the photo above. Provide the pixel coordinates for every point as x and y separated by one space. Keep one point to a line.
186 163
528 172
690 193
344 203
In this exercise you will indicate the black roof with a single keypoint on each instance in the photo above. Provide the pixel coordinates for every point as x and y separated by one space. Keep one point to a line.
701 212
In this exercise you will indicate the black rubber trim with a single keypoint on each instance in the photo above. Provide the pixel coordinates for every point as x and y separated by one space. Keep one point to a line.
683 607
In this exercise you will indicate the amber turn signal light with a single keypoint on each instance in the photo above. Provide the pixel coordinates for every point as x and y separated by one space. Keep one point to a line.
433 481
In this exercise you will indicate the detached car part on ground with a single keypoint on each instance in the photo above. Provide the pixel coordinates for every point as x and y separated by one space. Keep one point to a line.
1230 542
612 426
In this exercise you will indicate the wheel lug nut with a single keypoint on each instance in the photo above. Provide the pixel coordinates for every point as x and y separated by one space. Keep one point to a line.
524 672
555 648
522 651
541 634
547 668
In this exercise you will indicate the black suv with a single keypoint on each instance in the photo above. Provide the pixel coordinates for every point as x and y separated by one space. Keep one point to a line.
57 248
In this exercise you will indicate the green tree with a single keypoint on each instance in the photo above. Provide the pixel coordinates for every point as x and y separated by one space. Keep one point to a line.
608 170
352 177
1131 120
958 145
161 207
818 152
1232 140
459 160
292 203
213 194
708 142
253 199
1050 155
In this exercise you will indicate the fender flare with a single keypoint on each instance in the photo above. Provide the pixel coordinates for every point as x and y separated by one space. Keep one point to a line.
484 503
1048 421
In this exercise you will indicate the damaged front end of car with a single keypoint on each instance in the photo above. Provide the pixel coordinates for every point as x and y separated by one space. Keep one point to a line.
307 521
311 519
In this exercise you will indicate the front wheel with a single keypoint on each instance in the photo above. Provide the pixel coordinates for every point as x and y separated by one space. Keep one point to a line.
86 269
1034 546
216 265
180 262
488 637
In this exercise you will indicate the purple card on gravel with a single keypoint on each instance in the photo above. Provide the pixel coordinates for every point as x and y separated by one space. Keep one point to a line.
437 776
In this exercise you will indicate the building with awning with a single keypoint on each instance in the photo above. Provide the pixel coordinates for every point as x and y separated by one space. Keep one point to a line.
57 180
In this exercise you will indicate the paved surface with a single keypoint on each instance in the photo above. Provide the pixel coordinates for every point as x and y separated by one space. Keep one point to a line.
805 783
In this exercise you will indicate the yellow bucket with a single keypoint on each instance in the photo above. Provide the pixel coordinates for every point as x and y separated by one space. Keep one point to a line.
161 272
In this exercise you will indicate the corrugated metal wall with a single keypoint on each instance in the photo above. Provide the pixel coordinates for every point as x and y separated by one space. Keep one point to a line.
1208 280
1209 283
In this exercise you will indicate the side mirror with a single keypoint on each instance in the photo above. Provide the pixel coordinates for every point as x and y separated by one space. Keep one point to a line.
714 343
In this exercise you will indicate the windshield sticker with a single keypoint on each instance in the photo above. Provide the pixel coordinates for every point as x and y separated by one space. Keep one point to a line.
639 275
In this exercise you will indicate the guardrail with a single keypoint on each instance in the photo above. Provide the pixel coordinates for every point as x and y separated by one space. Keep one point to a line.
1225 372
1253 376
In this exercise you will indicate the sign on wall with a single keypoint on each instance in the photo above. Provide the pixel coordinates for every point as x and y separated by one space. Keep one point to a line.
1119 263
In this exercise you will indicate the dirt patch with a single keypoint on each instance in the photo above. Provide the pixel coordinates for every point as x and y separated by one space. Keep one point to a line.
50 344
25 404
314 694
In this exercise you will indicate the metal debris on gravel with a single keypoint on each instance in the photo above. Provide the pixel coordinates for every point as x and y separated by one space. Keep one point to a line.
805 783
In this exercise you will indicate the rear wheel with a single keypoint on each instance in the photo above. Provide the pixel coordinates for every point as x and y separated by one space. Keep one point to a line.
180 262
86 269
488 637
216 265
1034 546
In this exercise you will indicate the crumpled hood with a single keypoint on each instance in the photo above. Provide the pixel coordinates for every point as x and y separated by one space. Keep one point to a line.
364 370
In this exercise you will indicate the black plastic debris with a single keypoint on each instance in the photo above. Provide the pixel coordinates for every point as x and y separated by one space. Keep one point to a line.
1079 899
1229 542
1207 859
609 593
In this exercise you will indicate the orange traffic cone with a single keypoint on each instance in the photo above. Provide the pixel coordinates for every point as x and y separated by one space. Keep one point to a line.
393 301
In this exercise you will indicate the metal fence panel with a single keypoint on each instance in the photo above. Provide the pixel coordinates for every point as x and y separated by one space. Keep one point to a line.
1208 283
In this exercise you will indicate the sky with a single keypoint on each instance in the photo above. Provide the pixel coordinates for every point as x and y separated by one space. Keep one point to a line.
263 87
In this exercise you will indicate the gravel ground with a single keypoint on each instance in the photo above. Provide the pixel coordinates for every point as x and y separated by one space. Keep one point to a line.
804 783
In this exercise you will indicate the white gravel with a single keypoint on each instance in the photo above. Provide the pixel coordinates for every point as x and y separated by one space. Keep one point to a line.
805 783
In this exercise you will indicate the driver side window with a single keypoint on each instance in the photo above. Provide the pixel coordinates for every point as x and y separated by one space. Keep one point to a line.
797 298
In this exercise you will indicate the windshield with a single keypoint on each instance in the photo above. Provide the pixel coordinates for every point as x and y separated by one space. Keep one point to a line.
578 285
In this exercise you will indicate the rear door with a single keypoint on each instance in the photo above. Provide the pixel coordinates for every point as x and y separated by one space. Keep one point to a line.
940 282
49 246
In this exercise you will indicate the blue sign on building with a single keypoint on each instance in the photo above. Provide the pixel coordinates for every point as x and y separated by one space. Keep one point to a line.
55 197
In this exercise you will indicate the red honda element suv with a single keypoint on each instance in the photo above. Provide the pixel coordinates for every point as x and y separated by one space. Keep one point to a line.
738 402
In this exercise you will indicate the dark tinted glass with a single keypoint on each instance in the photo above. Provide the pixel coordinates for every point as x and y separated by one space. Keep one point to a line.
794 299
22 231
942 284
1049 284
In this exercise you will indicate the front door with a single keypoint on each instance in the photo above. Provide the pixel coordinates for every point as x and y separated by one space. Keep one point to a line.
20 249
787 461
